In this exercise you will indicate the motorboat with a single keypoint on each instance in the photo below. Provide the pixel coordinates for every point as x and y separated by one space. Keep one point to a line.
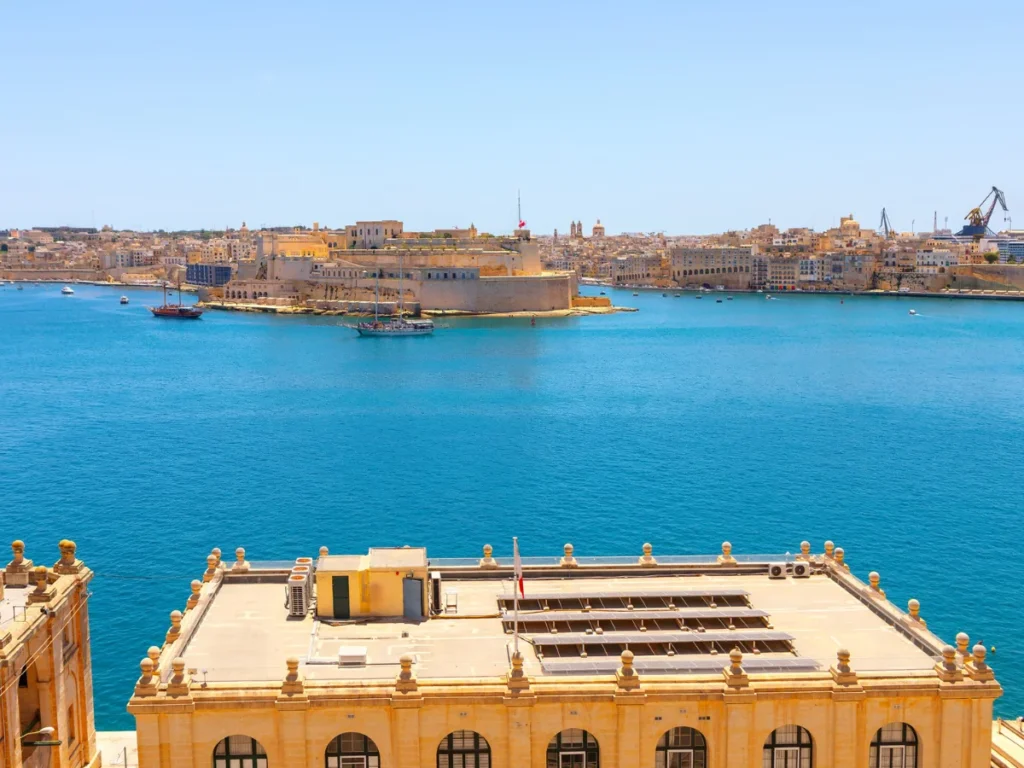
124 299
68 290
728 298
718 301
635 293
913 311
664 295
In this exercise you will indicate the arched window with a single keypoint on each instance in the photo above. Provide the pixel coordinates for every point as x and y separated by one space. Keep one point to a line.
239 752
681 748
573 748
894 746
788 747
351 750
463 749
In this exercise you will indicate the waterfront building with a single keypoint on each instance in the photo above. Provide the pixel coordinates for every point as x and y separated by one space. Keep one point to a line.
934 261
783 273
46 711
214 275
636 269
728 266
393 658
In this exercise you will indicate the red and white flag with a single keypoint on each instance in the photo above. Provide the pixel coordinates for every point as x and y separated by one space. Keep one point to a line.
522 224
517 565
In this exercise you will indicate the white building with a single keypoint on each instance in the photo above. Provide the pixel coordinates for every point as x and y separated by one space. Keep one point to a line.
934 261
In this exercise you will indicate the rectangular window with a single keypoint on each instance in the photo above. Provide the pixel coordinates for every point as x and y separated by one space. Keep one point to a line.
72 736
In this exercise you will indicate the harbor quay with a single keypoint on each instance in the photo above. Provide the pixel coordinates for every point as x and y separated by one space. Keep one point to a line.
394 658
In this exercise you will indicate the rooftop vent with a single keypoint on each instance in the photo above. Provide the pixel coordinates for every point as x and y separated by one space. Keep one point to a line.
352 656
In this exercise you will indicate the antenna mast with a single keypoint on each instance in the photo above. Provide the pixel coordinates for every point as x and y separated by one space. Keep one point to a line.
519 207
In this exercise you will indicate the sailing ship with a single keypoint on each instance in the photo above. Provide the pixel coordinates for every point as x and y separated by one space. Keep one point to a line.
179 310
396 326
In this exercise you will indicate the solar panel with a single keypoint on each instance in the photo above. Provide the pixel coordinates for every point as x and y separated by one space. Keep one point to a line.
639 614
675 665
630 593
640 638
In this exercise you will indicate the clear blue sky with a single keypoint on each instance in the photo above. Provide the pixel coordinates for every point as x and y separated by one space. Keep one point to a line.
679 116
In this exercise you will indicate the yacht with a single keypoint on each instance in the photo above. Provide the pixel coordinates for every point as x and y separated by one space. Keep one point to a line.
68 290
398 326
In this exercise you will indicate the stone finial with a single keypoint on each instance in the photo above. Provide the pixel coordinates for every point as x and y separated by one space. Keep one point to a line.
627 677
193 599
914 609
805 551
179 683
830 549
241 564
175 631
324 552
735 675
406 680
211 568
840 558
217 553
68 563
842 672
568 561
647 558
18 570
43 592
726 557
293 680
488 561
516 678
148 683
874 580
976 668
154 656
947 669
963 643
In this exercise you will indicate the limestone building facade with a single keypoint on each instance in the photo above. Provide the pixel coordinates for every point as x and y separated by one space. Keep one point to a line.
46 710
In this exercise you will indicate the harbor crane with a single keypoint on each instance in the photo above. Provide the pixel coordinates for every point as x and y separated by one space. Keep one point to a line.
978 221
886 226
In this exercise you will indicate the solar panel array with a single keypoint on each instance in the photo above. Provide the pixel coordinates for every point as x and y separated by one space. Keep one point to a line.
634 593
675 665
651 638
639 615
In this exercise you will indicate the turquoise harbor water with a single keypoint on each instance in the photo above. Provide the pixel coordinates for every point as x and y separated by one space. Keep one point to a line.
690 422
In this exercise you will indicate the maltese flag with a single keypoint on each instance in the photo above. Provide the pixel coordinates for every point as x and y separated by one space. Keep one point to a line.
517 565
522 224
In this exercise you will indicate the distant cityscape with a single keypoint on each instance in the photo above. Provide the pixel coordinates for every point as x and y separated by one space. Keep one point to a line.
463 270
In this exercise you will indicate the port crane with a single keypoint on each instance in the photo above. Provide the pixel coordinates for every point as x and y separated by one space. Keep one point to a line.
886 226
978 221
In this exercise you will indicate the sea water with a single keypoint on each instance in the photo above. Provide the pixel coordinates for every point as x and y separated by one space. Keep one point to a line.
688 423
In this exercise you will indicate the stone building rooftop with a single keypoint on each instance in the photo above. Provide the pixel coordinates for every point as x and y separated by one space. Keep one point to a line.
676 619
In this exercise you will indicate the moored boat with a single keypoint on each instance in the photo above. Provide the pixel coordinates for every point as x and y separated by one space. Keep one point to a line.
67 290
398 326
124 299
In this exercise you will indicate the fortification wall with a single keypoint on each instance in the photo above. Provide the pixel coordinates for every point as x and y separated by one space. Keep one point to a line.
1007 277
530 293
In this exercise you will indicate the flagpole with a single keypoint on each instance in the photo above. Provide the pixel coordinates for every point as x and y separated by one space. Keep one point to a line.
515 602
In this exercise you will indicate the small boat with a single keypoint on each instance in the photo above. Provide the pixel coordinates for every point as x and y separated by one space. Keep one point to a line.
698 296
913 311
124 299
718 301
602 293
664 295
21 287
728 298
68 290
635 293
675 296
768 297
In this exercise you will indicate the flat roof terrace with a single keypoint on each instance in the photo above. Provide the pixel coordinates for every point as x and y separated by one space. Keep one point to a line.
241 631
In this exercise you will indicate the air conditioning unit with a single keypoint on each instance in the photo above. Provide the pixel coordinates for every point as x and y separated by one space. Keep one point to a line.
776 570
801 570
298 595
